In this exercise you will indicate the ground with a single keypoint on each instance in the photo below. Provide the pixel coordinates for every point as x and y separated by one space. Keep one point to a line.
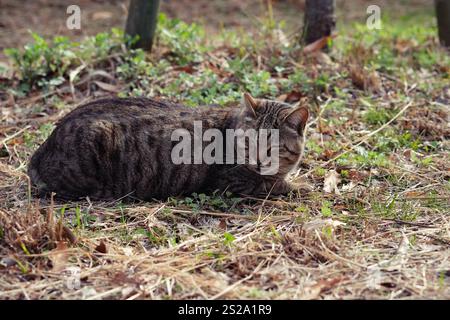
375 224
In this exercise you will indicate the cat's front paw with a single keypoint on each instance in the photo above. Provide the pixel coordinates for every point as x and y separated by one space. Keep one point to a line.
283 188
301 187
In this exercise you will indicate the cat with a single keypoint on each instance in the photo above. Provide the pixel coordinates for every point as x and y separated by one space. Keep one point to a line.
122 148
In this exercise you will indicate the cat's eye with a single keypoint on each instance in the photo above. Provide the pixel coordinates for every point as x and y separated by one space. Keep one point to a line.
290 150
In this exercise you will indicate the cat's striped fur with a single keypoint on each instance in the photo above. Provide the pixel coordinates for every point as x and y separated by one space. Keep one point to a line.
111 148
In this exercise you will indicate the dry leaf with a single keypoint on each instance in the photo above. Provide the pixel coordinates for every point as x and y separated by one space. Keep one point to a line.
374 82
59 256
323 58
101 247
413 194
186 69
294 96
313 292
404 45
68 234
318 44
319 224
327 154
107 87
121 278
223 224
365 80
399 260
357 175
101 73
330 184
358 76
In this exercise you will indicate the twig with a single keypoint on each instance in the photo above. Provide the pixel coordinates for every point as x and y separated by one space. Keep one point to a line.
14 135
436 238
234 285
336 256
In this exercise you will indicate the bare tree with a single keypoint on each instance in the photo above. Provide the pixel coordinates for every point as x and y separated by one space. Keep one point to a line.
141 21
320 19
443 20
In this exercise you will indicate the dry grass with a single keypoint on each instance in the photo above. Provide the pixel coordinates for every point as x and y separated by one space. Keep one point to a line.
277 252
383 233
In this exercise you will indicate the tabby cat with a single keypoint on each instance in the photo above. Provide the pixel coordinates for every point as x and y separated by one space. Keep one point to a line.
120 148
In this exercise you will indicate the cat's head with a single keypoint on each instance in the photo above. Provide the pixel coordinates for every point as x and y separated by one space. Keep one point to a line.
285 128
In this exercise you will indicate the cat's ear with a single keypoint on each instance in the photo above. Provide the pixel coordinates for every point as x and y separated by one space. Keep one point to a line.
250 104
297 118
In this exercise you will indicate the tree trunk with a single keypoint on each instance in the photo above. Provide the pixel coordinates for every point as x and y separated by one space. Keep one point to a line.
443 21
320 20
141 21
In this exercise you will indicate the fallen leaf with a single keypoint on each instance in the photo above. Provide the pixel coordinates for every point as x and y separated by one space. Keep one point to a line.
327 154
358 76
101 73
414 194
323 58
294 96
407 154
185 69
101 247
223 224
399 260
318 224
318 44
357 175
107 87
373 83
121 278
330 184
59 256
68 234
404 45
364 80
73 74
313 292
